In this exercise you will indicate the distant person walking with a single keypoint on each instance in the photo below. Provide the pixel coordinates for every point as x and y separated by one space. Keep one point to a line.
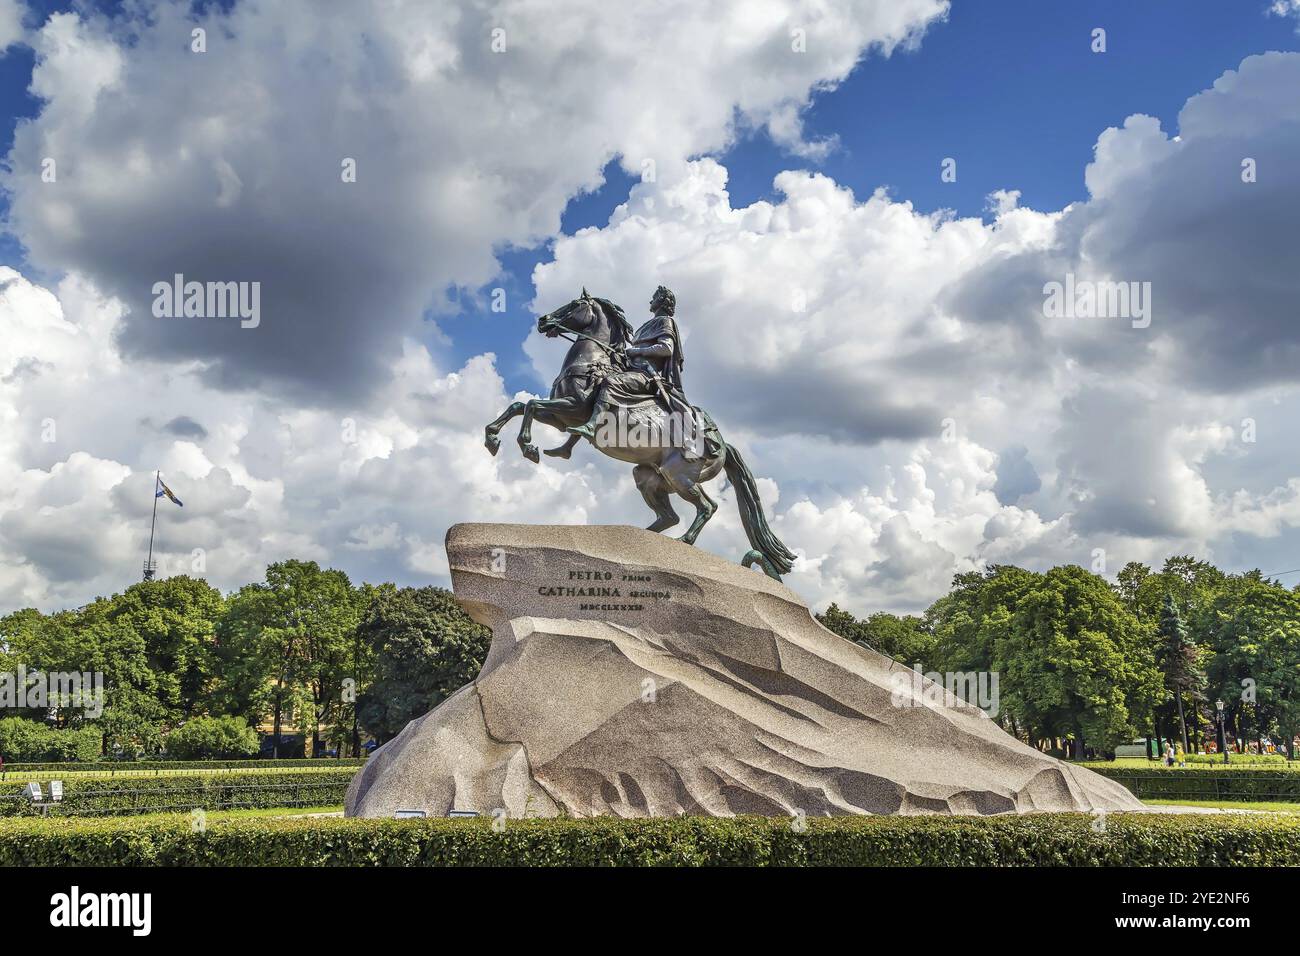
1169 755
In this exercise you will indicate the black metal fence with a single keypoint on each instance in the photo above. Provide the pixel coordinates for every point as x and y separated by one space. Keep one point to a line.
1245 786
88 801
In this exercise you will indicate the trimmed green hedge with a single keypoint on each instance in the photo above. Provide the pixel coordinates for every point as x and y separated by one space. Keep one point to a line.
222 791
1276 761
165 765
1034 840
1204 783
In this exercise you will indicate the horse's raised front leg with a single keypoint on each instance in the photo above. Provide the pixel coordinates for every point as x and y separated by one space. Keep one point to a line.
555 405
491 434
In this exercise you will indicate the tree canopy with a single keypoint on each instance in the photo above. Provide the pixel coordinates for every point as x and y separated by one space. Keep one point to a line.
1082 663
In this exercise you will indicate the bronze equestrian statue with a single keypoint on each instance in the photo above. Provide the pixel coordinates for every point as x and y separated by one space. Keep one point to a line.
623 393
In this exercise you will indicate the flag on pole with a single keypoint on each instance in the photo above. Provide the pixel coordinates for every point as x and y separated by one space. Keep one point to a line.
162 489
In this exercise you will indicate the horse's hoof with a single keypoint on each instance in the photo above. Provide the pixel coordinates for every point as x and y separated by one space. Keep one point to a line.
492 443
564 451
530 452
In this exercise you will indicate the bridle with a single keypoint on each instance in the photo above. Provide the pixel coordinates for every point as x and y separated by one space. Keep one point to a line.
564 332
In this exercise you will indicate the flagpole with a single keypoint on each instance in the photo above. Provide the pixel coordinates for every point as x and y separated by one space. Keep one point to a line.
148 564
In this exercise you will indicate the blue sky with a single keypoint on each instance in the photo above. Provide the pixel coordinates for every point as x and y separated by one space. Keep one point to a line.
1010 89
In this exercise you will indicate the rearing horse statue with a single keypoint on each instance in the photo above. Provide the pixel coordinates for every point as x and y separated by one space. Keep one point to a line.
663 468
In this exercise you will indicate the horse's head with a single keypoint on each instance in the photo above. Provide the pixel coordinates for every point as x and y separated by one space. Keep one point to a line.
577 316
590 315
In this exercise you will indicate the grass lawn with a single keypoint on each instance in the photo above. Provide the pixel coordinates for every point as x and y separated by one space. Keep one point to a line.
1270 805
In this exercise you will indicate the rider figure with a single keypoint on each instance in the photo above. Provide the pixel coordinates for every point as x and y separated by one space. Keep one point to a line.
654 369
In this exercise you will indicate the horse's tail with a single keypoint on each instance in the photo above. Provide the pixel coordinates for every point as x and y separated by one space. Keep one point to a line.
760 535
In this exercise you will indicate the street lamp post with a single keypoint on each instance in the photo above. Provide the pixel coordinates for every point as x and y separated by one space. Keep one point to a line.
1218 720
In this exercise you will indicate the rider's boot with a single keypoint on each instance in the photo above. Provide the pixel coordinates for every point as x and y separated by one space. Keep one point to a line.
588 428
565 450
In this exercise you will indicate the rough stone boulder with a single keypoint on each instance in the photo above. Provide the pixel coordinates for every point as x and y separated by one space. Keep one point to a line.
634 675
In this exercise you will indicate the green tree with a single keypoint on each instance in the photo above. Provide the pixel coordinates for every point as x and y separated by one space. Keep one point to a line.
426 648
1193 585
152 644
1069 655
245 658
1253 628
1179 661
361 672
905 638
841 622
18 629
1073 657
92 639
176 618
967 624
294 629
1129 584
960 619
